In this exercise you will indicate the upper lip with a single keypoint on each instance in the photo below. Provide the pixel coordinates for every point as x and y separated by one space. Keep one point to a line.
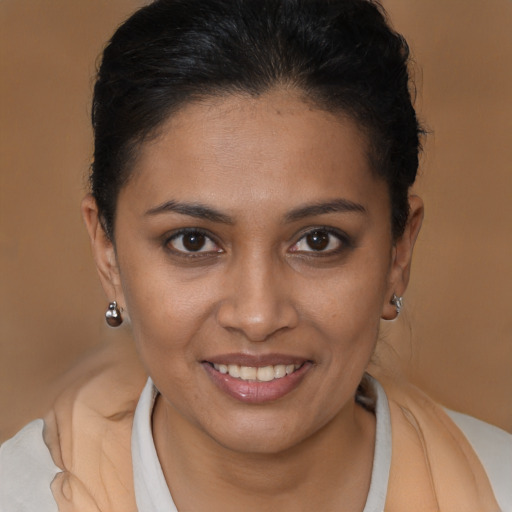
255 360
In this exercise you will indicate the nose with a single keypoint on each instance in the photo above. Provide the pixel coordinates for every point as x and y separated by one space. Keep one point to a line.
258 302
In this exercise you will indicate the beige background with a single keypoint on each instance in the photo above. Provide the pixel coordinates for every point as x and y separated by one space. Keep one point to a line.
455 338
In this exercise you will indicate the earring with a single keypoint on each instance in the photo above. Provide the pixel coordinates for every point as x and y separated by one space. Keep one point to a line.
398 302
113 315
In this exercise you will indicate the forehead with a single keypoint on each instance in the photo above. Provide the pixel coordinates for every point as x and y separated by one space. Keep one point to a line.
240 150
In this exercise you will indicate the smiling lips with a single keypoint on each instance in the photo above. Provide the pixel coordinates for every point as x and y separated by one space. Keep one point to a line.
261 374
257 384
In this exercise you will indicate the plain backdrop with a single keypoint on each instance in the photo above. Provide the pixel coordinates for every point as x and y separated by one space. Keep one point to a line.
454 338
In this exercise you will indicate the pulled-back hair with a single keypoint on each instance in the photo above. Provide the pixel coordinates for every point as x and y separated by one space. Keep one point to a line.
341 54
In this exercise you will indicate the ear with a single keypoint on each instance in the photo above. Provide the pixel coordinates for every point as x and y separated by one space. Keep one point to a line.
103 251
400 270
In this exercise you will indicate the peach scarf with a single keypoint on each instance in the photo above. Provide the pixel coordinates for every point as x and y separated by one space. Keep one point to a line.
433 466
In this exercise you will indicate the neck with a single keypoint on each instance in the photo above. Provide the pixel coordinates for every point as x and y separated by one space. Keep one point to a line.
329 470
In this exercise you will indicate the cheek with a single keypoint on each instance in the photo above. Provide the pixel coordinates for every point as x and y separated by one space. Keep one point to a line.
345 310
166 309
348 299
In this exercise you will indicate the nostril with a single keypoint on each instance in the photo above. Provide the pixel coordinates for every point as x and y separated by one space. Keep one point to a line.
255 304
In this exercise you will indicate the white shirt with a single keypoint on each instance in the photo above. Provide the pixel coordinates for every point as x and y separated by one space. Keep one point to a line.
27 469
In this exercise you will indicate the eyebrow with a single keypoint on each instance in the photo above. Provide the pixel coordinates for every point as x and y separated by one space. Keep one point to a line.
201 211
197 210
334 206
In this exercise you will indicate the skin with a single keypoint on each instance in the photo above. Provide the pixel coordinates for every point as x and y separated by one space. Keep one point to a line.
257 287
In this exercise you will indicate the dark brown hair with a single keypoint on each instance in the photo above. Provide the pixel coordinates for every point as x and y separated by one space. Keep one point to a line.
341 54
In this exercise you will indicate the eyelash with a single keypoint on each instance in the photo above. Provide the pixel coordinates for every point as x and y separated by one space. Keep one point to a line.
191 254
344 242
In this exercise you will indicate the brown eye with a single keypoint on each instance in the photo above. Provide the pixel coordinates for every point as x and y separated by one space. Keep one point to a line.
322 241
318 240
192 242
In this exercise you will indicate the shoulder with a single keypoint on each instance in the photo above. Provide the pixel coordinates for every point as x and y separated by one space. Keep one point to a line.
467 461
87 433
26 472
493 447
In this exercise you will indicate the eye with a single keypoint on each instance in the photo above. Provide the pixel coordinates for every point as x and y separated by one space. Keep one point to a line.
192 241
320 240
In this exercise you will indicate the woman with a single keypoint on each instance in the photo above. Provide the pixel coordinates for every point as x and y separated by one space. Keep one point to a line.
250 214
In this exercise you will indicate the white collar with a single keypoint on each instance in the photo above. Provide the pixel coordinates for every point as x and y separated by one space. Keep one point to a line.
153 495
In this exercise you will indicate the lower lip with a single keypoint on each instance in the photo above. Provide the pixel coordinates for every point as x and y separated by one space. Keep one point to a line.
255 392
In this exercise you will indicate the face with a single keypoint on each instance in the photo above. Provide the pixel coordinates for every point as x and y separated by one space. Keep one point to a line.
254 257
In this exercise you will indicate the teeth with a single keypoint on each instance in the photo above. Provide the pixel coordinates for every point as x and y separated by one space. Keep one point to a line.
248 373
266 374
279 371
261 374
234 370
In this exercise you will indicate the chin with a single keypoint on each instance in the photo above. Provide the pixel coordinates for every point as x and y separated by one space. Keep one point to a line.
260 434
260 443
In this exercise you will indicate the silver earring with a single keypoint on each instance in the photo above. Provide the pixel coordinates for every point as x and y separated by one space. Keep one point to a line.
398 302
113 315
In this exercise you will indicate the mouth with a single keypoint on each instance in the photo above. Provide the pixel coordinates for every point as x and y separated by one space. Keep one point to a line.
257 374
258 382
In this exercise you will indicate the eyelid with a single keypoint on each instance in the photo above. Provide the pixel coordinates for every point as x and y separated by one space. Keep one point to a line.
345 240
169 237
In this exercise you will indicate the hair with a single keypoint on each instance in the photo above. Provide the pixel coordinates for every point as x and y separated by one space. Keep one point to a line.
341 55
